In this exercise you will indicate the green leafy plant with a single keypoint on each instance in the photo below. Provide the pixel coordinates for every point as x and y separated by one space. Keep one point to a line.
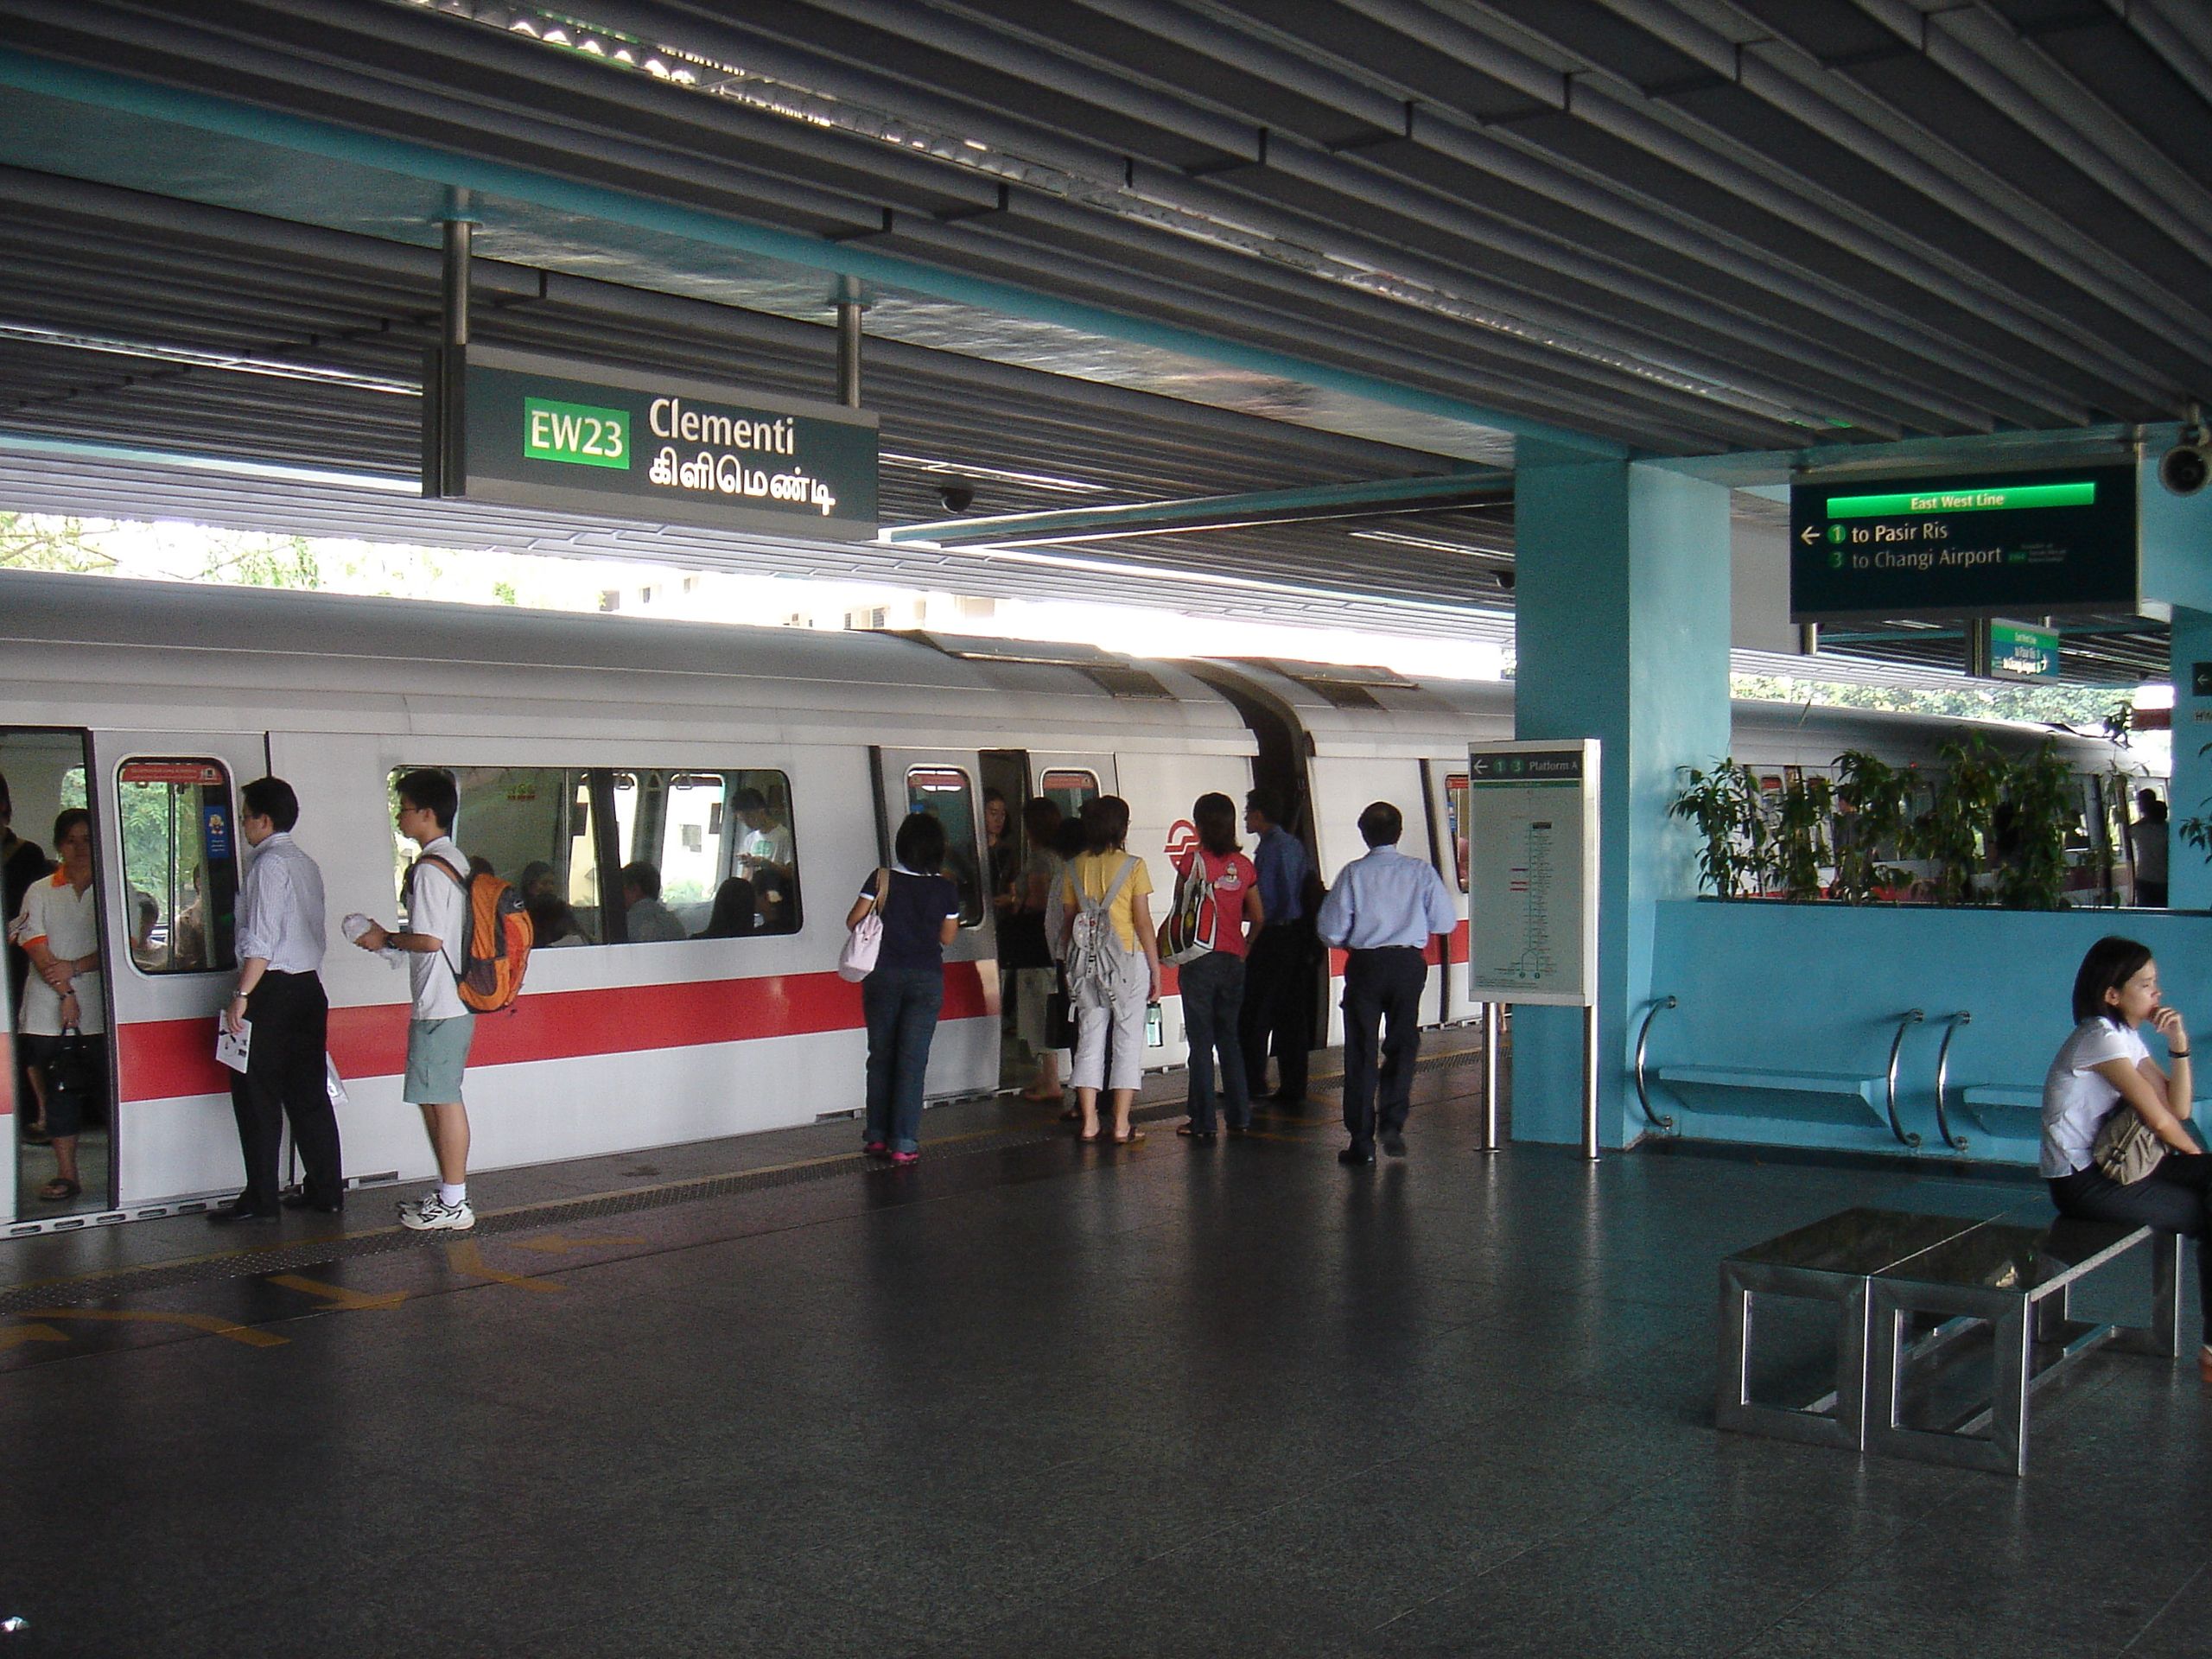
1801 844
1723 802
1954 832
1873 801
2029 845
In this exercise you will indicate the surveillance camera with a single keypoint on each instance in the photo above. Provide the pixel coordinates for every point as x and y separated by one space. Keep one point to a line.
2185 468
1505 579
956 498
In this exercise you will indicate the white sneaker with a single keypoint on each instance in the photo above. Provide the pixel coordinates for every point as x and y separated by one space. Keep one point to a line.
408 1206
434 1214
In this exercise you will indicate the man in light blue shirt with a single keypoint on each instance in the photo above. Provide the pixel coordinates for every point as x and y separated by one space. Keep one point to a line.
1383 910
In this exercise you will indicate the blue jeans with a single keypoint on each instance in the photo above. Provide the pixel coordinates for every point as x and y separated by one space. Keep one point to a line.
1213 996
902 1005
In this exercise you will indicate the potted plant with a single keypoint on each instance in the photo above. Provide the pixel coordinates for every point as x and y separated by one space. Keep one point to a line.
1800 848
1723 802
2028 847
1873 800
1954 831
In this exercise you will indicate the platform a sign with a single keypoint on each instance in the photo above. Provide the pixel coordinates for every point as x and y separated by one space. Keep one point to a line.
565 435
1968 545
1532 871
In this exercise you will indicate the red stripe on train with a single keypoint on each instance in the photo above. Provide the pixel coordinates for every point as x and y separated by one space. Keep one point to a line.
164 1059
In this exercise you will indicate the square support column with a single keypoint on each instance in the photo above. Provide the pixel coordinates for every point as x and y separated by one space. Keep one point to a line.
1621 617
2189 877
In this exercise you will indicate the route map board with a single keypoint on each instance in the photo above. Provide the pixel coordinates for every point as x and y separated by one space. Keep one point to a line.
1532 873
1972 544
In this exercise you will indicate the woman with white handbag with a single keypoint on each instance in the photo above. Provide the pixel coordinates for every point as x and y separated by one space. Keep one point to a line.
897 931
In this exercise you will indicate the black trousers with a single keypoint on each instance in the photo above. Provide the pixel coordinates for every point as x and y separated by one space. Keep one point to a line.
1381 988
1279 1005
2174 1198
290 1017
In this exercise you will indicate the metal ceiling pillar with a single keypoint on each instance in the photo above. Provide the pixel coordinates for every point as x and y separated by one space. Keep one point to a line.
849 342
446 465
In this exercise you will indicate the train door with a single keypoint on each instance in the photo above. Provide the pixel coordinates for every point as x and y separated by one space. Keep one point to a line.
169 805
1444 787
946 784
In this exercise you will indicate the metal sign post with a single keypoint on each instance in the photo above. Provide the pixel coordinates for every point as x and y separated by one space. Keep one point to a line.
1532 897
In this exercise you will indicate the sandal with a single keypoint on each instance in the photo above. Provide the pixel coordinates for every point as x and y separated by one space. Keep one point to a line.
1130 1139
58 1191
1088 1139
1072 1114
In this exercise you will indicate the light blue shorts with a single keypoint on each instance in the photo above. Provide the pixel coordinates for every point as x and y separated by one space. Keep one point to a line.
437 1053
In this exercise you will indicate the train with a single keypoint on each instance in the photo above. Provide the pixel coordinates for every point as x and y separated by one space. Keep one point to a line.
583 745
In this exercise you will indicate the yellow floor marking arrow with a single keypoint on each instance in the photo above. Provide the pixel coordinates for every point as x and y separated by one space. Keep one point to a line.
562 1244
337 1295
15 1335
227 1329
468 1257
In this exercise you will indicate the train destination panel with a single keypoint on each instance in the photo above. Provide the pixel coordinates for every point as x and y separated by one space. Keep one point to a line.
561 433
1532 873
1967 545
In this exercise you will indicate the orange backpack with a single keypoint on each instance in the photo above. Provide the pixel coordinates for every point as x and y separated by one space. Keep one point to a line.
497 953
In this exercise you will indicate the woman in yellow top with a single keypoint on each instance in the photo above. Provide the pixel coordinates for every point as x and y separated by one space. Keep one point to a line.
1108 878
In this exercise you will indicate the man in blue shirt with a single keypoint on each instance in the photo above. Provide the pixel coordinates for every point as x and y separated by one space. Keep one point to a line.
1384 910
1279 975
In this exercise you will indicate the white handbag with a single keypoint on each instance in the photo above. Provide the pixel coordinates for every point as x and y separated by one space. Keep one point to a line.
857 960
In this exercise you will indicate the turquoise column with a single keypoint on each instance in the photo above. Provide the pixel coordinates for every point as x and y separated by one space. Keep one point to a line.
2190 877
1622 614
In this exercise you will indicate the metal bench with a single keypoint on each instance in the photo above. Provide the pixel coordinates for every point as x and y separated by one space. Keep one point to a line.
1855 1098
1831 1260
2017 1282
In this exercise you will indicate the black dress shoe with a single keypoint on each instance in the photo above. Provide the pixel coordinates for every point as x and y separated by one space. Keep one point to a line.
320 1206
239 1210
1394 1143
1357 1155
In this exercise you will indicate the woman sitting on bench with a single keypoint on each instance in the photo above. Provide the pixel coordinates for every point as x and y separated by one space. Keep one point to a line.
2104 1067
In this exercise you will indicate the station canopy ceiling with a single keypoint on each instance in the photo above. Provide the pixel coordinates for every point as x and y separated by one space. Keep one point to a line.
1123 250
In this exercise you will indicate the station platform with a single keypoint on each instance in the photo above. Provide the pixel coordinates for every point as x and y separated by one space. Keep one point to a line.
1030 1397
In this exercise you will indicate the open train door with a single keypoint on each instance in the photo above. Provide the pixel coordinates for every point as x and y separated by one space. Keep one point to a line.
946 784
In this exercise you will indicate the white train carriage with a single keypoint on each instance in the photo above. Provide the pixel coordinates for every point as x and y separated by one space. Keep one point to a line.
583 745
580 745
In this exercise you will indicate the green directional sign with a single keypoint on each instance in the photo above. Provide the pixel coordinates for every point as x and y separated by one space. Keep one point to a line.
1967 546
2020 651
578 435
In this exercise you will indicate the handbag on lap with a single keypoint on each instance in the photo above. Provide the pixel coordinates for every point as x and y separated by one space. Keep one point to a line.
2125 1150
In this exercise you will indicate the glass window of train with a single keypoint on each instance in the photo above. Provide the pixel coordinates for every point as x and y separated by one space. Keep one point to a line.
179 864
1069 788
945 794
1455 818
767 854
531 825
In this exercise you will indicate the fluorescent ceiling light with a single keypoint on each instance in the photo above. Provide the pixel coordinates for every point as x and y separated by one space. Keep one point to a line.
1401 539
1034 480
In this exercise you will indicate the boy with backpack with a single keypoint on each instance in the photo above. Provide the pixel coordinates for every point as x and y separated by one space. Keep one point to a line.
441 1026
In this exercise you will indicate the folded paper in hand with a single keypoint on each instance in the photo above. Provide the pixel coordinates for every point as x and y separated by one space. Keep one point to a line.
232 1050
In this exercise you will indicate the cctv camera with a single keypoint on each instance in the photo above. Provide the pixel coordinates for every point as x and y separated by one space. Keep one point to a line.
2185 468
956 498
1505 579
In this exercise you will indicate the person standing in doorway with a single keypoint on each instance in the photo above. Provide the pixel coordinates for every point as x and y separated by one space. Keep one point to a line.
1278 1008
1109 887
441 1026
1384 910
1213 984
2147 836
24 863
279 1002
59 926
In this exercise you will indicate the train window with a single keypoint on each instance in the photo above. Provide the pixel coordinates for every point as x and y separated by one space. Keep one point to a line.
1069 788
180 865
1455 819
533 826
945 794
767 854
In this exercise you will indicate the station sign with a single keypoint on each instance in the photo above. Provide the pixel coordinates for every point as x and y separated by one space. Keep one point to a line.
562 435
1968 545
2019 651
1532 871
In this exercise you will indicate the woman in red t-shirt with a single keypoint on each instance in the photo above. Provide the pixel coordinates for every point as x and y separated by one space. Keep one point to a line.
1213 984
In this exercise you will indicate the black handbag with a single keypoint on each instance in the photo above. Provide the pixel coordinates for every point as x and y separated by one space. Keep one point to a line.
1021 941
75 1079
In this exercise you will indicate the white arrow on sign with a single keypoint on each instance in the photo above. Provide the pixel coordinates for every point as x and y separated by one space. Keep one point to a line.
1478 765
1809 535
